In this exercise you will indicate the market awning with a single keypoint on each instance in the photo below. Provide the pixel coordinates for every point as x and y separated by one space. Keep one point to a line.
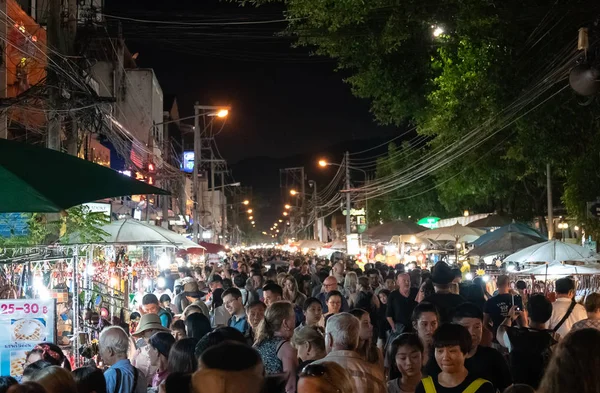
212 248
135 232
36 179
384 232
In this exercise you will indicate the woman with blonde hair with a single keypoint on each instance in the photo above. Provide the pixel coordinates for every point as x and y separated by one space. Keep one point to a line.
574 364
326 377
291 292
280 278
55 379
309 341
351 289
273 342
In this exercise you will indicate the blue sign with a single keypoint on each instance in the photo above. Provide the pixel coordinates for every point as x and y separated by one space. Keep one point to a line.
14 224
188 162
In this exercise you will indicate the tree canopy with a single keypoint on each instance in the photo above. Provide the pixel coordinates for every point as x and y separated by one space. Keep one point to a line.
490 93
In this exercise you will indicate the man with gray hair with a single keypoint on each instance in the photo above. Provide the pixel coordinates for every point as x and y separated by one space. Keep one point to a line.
341 341
121 377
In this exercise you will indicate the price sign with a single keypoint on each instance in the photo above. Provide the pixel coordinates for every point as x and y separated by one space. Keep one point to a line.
23 324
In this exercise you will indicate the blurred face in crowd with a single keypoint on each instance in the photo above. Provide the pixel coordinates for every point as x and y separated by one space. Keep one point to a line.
374 280
425 326
257 281
450 359
383 298
475 328
151 308
334 304
409 360
304 268
288 286
178 334
255 315
403 281
313 314
271 297
330 284
390 284
366 328
339 268
232 305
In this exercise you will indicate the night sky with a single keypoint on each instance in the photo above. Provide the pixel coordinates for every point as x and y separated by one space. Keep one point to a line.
284 101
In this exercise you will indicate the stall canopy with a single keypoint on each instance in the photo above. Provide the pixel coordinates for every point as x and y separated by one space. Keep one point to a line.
384 232
133 232
310 244
35 179
562 269
491 221
553 251
516 228
336 245
212 248
506 243
455 232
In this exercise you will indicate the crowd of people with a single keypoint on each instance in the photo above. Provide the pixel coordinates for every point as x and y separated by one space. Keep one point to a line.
266 321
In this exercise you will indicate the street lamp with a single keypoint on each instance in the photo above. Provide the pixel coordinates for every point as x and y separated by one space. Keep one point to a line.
251 218
293 192
288 207
246 202
322 163
222 113
280 220
250 211
285 213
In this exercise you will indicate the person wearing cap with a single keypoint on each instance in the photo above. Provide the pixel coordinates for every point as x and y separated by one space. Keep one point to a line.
444 300
194 296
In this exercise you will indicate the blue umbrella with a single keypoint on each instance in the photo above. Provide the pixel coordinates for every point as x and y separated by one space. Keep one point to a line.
515 227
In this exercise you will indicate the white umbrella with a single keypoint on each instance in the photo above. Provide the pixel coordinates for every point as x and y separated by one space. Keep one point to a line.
455 232
553 251
135 232
562 269
309 244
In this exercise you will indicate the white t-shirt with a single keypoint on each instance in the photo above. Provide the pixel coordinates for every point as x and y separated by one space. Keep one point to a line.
559 309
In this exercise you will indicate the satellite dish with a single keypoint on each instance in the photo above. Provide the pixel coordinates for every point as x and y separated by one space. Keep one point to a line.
584 80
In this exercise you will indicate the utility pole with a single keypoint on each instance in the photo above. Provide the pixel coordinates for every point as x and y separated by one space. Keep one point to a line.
165 156
347 160
54 41
303 191
212 195
3 69
223 209
196 184
313 184
550 207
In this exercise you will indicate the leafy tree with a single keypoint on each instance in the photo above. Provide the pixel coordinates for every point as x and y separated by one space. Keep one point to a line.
78 220
494 82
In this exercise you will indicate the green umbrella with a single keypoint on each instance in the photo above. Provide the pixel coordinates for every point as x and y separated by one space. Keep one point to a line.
35 179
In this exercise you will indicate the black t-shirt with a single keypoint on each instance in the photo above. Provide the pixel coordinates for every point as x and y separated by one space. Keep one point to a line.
487 363
497 307
445 304
400 309
485 388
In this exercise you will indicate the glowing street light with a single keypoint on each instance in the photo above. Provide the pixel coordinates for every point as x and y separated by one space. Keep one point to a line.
288 207
252 223
277 231
275 224
246 202
251 218
280 220
250 211
438 31
222 113
285 213
322 163
293 192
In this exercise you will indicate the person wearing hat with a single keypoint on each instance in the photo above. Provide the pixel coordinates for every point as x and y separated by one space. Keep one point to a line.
444 300
148 325
192 293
